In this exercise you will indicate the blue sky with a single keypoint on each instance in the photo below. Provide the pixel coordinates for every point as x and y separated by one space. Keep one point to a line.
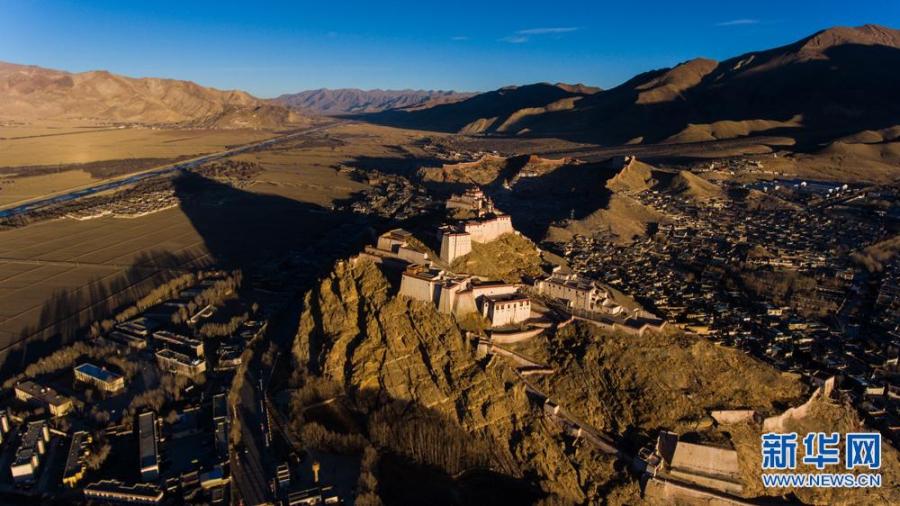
269 47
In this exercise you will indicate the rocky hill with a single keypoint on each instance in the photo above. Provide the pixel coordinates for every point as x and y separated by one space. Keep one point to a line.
406 373
30 93
384 351
499 110
835 82
355 101
672 380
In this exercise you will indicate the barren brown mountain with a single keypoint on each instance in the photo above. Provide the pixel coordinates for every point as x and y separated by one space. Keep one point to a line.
488 112
30 93
353 101
835 82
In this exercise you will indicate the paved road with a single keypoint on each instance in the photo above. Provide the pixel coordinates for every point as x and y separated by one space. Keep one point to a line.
21 208
250 471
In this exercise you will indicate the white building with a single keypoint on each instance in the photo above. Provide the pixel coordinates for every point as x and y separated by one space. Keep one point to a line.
461 295
579 293
508 309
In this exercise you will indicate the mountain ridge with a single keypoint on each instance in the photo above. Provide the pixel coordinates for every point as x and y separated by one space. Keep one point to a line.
30 92
334 101
855 71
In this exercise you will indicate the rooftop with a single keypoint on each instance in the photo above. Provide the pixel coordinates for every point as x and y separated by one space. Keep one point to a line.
45 394
97 372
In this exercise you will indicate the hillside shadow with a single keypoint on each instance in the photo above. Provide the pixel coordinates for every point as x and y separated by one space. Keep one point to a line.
69 312
406 165
424 455
279 243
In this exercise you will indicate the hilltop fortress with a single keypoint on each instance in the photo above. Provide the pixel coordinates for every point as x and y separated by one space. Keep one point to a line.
488 225
502 304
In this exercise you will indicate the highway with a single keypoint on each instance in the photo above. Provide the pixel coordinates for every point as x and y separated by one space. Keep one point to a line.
22 208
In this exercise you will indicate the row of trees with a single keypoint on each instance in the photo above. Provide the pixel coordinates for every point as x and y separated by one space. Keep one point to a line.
223 329
167 290
427 438
367 484
71 355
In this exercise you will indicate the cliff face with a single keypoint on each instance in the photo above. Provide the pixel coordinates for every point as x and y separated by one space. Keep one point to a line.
375 346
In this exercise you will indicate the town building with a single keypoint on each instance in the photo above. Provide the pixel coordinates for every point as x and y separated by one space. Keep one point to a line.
283 476
179 363
313 496
220 424
5 425
100 377
141 327
148 440
128 339
578 293
75 460
116 491
33 445
177 342
32 393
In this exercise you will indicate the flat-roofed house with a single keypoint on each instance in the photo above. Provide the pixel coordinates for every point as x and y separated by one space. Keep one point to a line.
99 377
421 283
579 293
32 447
128 339
455 243
148 440
180 343
141 327
31 392
179 363
116 491
75 460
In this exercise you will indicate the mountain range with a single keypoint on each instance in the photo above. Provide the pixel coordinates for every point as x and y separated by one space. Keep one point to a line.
834 83
839 80
352 101
29 93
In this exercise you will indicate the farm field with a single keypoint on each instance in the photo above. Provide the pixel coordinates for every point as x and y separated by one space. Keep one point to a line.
77 260
67 269
40 146
16 189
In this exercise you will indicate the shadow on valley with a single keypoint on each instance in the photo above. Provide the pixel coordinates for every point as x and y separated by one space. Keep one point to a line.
69 312
280 242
